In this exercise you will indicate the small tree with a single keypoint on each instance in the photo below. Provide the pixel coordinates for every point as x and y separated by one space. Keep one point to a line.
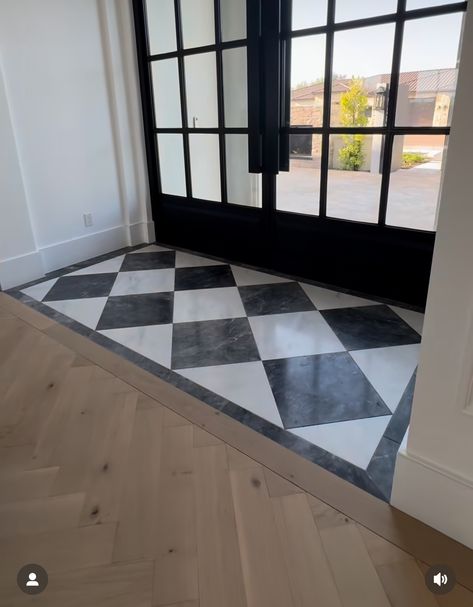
353 106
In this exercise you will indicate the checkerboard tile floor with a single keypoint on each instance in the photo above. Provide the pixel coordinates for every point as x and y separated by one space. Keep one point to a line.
328 367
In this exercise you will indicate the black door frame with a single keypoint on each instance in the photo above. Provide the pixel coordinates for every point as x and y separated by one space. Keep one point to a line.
370 259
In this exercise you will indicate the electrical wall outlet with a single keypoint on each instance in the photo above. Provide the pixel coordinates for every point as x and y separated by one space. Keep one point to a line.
88 221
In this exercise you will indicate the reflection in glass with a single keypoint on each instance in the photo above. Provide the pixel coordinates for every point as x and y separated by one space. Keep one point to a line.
299 189
354 177
205 167
167 102
416 175
347 10
201 90
198 24
161 26
362 63
308 13
233 19
171 164
307 80
242 187
429 71
235 87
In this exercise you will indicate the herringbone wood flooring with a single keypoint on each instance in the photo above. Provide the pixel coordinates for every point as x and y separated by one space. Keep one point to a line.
126 503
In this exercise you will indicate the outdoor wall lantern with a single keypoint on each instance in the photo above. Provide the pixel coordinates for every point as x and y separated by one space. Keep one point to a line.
381 97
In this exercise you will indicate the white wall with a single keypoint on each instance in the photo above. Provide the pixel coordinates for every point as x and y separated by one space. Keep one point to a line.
69 80
434 473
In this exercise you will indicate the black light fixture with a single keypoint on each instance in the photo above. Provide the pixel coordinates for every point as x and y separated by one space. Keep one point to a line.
381 97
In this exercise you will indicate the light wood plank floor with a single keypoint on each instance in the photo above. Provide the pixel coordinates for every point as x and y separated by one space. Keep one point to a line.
126 503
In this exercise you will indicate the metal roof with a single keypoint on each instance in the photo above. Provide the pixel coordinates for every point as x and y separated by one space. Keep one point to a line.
427 81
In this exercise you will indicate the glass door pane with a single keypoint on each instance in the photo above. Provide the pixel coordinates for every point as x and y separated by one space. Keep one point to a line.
167 102
161 26
233 17
201 90
429 71
205 167
198 24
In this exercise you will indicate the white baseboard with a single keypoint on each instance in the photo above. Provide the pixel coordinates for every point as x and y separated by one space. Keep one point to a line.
65 253
18 270
142 232
433 496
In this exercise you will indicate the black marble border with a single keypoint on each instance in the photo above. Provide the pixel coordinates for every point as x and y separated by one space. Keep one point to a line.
376 479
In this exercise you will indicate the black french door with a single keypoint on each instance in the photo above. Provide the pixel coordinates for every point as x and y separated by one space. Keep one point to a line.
261 151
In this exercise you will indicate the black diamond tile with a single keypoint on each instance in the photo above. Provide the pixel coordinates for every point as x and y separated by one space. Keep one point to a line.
137 311
207 277
370 327
275 299
213 342
320 389
81 287
148 261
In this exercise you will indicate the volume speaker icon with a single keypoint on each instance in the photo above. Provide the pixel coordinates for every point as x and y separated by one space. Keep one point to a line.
441 579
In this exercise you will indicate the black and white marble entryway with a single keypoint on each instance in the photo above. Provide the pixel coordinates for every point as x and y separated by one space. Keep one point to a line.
327 374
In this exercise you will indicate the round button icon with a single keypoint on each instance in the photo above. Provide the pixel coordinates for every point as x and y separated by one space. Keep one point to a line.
32 579
440 579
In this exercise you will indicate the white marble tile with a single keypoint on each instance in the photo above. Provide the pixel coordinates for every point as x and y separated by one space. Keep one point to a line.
154 342
40 290
245 277
110 265
85 311
153 248
325 299
413 319
295 334
244 384
354 441
388 369
144 281
207 304
186 260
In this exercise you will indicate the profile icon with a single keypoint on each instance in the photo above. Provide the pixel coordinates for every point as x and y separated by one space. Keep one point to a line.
32 581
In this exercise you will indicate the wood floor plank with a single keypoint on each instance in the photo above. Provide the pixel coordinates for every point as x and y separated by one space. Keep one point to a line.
264 568
279 486
355 576
28 484
176 576
205 439
238 460
108 586
80 449
311 579
325 516
219 564
40 515
103 487
404 584
381 552
71 395
62 550
136 533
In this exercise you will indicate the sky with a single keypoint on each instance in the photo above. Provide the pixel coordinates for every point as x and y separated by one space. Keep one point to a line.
368 51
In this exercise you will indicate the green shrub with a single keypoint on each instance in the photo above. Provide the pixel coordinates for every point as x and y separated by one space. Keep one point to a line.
411 159
352 155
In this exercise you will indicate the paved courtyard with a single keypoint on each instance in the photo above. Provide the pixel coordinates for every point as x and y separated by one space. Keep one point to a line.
413 194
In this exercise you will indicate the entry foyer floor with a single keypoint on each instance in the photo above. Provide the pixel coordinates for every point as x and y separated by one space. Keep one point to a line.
326 374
